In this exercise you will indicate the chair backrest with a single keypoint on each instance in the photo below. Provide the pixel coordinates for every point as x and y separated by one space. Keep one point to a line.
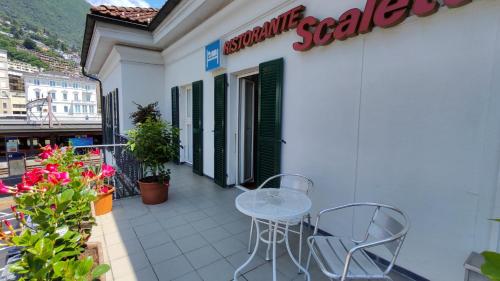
384 225
291 181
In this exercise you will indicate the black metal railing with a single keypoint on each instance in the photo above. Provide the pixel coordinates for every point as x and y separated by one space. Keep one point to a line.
128 169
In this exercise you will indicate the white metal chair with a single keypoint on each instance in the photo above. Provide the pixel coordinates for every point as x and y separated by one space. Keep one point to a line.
291 181
342 258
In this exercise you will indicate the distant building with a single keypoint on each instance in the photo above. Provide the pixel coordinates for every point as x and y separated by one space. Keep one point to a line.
11 103
71 97
22 66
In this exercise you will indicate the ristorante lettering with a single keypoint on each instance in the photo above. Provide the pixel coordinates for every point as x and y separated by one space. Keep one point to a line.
316 32
282 23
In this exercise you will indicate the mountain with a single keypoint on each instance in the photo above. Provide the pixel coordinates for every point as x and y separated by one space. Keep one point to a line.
62 18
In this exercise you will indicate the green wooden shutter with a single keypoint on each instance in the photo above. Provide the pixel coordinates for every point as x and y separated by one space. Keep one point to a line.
220 96
198 127
269 120
175 117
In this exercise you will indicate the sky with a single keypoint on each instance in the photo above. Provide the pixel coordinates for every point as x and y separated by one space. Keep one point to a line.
129 3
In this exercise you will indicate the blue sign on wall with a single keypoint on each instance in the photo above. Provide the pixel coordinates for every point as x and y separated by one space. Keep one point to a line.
212 56
81 141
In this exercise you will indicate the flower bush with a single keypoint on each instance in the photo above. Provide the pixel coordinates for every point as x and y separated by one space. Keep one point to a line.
53 210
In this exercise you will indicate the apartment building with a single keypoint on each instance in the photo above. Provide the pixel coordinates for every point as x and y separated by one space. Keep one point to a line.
71 97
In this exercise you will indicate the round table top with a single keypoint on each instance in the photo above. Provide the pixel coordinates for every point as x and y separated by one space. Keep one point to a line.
274 204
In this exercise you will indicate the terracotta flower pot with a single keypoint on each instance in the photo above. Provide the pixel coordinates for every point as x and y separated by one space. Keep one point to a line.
153 193
104 202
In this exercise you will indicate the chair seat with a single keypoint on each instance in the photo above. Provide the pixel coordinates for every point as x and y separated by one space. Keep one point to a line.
333 252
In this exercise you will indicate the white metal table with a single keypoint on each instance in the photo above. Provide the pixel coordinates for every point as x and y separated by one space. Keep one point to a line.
277 206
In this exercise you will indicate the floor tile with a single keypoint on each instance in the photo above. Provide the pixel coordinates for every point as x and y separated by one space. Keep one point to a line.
203 256
128 265
181 231
146 274
172 268
240 258
204 224
264 272
155 239
143 230
127 248
193 276
215 234
172 222
229 246
190 243
221 270
162 253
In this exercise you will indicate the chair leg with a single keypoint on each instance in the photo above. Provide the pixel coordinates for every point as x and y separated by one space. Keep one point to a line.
269 240
309 259
300 243
250 237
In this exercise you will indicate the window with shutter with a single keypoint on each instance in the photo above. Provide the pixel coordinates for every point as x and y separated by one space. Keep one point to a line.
198 127
220 92
269 119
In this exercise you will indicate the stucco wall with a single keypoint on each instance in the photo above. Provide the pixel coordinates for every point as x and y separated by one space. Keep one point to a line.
402 116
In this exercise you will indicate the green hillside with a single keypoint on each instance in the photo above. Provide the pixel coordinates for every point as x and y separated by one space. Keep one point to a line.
62 18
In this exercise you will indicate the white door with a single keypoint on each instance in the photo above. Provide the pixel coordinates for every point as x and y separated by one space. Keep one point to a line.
247 90
188 126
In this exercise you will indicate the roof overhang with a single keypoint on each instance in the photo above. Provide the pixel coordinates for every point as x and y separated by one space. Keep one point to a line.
175 19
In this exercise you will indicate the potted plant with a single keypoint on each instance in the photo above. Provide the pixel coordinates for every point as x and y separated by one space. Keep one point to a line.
98 178
153 143
491 266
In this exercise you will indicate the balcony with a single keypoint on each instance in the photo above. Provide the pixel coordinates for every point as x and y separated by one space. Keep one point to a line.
196 235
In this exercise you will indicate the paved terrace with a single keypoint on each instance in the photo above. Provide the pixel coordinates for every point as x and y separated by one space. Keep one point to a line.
196 235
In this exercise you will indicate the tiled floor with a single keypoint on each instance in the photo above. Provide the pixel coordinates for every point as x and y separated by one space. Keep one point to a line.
197 235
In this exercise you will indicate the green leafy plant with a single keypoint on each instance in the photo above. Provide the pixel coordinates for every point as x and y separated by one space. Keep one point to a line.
491 266
56 199
150 111
153 142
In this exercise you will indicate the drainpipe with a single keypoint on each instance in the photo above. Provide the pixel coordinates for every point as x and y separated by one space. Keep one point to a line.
100 91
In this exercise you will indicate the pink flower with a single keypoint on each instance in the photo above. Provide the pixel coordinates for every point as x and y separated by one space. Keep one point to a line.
59 178
13 208
88 174
44 155
107 171
95 152
23 187
104 189
4 189
52 167
33 177
53 207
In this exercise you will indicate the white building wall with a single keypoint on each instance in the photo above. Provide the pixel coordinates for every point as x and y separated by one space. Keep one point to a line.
402 116
62 86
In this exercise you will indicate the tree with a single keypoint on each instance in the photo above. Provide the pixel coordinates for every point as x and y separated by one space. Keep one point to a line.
29 44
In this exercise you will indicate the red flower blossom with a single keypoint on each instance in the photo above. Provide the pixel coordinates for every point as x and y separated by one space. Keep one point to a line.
104 189
95 152
53 207
88 174
13 208
59 178
51 167
107 171
23 187
78 164
33 177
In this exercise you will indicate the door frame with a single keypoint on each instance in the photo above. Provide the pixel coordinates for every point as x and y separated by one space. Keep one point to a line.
184 134
233 127
241 127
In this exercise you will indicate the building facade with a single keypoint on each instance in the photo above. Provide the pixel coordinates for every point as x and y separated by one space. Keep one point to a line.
20 66
12 102
71 97
374 103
